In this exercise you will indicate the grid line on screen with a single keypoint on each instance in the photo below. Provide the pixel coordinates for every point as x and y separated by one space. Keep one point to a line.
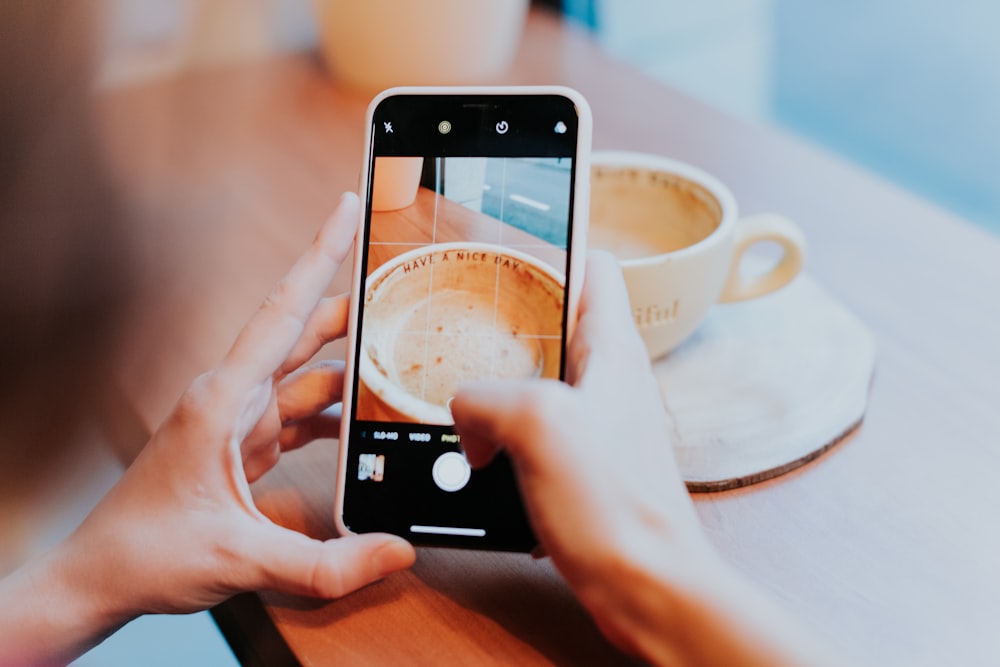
496 287
430 283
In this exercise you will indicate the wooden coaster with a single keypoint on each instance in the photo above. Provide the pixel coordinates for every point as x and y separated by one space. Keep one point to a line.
765 386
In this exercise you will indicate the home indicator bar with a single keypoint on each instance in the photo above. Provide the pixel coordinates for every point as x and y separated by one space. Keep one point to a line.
448 530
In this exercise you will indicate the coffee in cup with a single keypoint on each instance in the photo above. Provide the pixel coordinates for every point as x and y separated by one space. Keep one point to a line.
444 314
675 231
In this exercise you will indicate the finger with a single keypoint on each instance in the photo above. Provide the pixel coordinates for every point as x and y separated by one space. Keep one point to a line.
478 449
311 390
604 303
510 414
539 552
272 333
256 433
324 425
327 323
260 461
297 413
605 322
294 563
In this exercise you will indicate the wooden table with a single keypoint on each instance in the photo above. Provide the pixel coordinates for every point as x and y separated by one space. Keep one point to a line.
888 544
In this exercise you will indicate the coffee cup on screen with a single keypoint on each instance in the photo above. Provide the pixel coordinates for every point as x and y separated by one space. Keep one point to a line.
680 242
441 315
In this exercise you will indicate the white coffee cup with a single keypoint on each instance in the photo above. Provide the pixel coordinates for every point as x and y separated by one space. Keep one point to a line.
680 242
397 180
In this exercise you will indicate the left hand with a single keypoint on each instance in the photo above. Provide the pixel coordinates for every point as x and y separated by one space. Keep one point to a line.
180 531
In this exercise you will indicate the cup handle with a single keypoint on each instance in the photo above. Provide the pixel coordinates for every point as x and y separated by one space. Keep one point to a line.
757 228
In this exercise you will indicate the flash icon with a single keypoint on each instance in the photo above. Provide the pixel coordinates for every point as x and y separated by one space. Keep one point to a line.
388 127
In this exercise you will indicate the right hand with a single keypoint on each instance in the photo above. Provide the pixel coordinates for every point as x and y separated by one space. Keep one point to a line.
593 457
605 498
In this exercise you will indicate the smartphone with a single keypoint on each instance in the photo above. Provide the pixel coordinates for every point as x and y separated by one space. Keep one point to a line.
469 265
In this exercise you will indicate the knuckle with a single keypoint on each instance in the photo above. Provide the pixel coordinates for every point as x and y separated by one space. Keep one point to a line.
278 295
196 399
204 387
326 579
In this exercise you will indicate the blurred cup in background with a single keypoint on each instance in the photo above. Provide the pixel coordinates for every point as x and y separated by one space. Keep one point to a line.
376 44
396 182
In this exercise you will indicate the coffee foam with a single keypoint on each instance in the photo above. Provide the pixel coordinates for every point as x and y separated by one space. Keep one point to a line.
637 212
477 343
451 313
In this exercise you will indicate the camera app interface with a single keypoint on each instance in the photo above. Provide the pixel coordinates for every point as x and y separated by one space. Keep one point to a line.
465 279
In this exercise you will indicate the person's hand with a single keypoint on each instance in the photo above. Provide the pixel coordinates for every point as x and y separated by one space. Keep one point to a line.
180 531
181 528
604 496
593 456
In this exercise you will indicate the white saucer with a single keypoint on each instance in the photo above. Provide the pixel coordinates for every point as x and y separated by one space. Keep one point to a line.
765 386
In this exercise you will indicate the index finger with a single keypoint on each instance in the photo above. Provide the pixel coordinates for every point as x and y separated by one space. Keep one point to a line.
271 335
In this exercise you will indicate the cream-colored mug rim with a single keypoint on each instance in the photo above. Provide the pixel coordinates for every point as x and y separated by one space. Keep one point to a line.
727 203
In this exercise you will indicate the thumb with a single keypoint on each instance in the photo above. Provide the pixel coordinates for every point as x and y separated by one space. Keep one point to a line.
294 563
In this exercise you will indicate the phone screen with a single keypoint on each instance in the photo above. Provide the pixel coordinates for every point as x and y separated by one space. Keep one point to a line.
464 265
